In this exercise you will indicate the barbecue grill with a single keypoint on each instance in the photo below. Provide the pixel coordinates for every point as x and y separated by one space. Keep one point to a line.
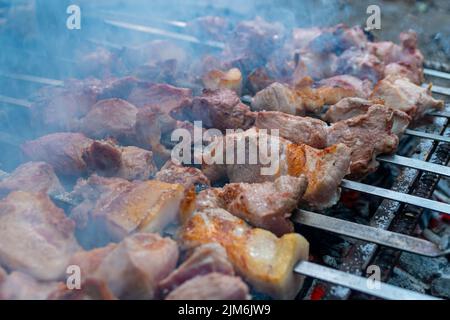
400 200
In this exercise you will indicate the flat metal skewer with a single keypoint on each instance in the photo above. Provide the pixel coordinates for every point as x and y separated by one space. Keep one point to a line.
164 33
397 196
14 101
368 233
29 78
444 114
416 164
380 289
436 73
425 135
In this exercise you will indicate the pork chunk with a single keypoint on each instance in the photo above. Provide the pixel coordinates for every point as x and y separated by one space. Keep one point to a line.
35 236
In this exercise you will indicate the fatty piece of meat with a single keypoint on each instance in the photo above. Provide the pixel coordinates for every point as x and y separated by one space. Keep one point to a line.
338 87
133 269
310 131
324 168
136 164
112 208
220 109
35 236
400 93
186 176
258 256
217 79
205 259
213 286
110 118
299 100
37 177
266 205
367 135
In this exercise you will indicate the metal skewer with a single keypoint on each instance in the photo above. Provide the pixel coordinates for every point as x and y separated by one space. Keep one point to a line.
397 196
370 234
416 164
383 290
437 74
425 135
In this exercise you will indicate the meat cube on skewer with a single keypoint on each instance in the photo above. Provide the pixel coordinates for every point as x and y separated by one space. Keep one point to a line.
368 135
310 131
186 176
207 258
220 109
46 240
324 169
400 93
213 286
21 286
351 107
133 268
257 255
216 79
306 98
74 154
32 177
266 205
108 118
112 208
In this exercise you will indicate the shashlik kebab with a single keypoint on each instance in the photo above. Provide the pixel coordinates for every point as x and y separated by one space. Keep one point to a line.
211 222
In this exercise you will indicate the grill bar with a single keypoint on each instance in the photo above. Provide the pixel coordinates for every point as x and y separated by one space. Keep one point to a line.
379 289
397 196
438 89
370 234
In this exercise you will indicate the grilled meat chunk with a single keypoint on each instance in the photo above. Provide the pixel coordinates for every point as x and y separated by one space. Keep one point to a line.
60 108
34 177
338 87
63 151
310 131
367 135
110 118
266 205
132 268
400 93
348 108
186 176
163 96
74 154
46 238
257 255
220 109
361 63
21 286
324 169
207 258
280 97
113 208
213 286
351 107
216 79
